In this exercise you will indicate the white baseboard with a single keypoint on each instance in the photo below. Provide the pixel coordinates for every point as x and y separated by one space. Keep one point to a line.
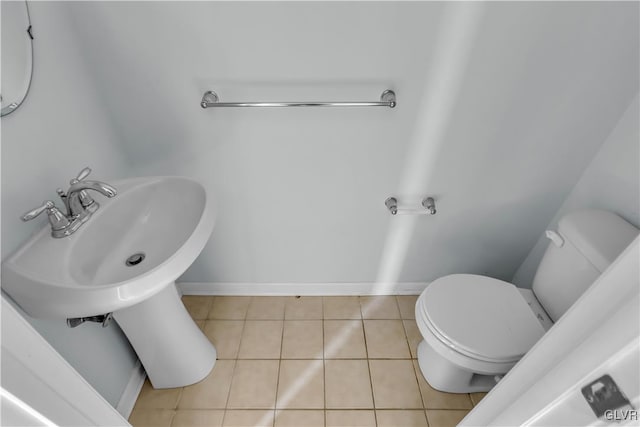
304 289
132 390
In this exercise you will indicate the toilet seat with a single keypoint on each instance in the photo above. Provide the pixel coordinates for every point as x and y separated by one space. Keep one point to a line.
480 317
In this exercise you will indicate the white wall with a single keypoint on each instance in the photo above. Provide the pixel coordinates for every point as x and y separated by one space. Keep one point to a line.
611 182
537 89
59 129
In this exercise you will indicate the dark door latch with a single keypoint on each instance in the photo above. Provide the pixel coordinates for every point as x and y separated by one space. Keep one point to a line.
603 395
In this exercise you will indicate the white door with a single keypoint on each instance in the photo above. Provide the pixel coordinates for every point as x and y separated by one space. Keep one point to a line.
39 387
599 335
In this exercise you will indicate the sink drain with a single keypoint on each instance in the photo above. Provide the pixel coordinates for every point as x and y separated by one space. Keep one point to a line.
135 259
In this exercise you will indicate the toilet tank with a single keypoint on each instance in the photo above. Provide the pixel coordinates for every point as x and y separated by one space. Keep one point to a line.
588 242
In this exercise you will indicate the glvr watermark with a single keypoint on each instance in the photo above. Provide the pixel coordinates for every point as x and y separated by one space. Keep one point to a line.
621 415
607 400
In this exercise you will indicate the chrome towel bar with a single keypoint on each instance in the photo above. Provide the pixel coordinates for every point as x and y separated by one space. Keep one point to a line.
210 99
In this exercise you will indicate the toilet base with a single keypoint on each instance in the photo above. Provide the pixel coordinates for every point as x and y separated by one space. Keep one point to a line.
443 375
171 347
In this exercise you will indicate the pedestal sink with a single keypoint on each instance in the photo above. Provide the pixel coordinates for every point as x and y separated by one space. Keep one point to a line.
125 260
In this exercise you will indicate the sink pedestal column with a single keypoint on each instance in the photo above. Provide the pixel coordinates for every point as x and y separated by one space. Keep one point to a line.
171 347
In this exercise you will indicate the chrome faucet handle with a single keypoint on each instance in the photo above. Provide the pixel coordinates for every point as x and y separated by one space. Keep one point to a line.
85 199
81 175
47 204
56 218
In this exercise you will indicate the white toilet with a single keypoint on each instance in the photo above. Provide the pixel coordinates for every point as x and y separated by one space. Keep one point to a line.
476 328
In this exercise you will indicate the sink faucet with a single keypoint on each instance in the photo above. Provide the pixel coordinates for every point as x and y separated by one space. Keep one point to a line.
76 199
78 203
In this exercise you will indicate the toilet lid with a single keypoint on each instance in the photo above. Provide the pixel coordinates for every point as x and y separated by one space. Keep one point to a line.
481 317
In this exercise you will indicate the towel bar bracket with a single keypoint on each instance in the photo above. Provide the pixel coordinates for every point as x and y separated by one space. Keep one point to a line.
209 97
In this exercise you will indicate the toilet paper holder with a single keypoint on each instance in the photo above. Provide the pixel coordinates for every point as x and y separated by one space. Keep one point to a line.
428 207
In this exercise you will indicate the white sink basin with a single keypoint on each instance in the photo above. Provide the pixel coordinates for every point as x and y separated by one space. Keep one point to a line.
169 220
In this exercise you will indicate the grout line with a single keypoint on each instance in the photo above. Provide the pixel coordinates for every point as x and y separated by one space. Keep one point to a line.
244 324
275 399
180 393
373 397
324 362
416 372
246 313
226 403
406 338
209 307
324 365
395 298
366 349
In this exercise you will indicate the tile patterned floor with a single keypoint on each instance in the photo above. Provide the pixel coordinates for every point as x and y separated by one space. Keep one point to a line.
306 362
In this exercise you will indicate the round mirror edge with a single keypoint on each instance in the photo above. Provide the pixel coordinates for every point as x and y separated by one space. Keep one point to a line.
16 104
